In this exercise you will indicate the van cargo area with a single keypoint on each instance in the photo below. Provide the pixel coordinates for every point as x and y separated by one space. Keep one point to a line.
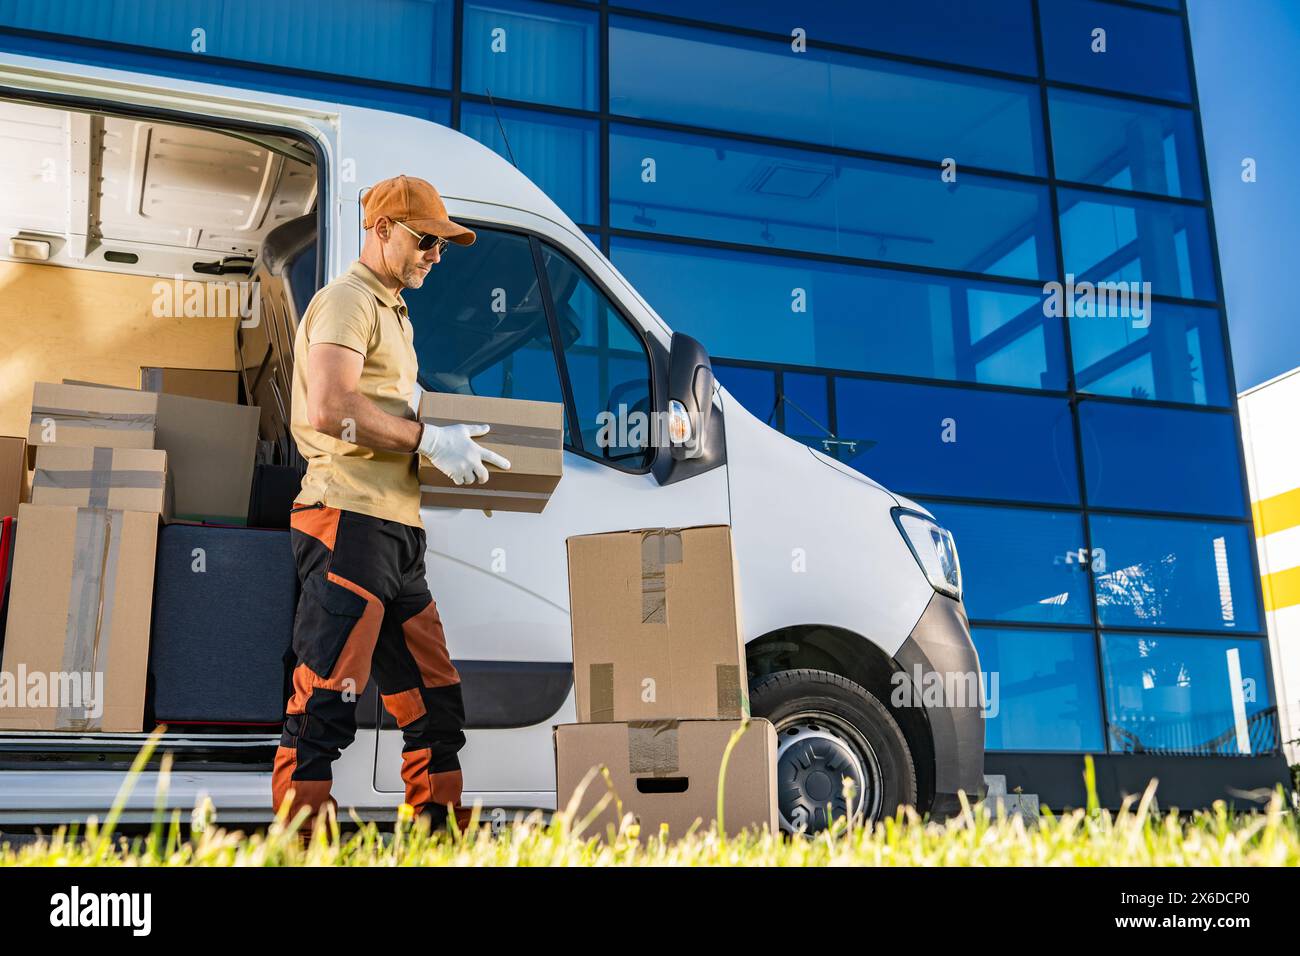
142 253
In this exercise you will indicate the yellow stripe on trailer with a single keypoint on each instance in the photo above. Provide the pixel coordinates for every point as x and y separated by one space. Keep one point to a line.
1277 513
1281 589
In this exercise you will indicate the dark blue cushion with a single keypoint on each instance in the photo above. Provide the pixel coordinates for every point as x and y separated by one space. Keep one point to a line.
219 650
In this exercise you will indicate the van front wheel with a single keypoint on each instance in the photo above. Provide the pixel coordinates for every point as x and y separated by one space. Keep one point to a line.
829 728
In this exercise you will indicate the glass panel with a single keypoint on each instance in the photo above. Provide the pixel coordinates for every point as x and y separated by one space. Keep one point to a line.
537 52
1019 564
1047 693
1173 354
921 439
1188 695
997 34
1153 572
1125 144
558 153
1143 50
821 96
479 323
1114 240
1160 459
678 184
609 368
754 388
398 41
826 314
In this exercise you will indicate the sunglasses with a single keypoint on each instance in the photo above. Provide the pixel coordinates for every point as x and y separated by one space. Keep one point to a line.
427 241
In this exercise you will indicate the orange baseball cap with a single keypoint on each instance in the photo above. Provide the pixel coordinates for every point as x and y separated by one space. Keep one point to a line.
415 202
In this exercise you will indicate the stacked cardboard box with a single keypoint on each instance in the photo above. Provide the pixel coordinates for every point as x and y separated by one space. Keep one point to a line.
210 445
109 464
661 686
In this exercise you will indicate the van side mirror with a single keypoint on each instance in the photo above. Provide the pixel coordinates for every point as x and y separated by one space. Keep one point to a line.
687 408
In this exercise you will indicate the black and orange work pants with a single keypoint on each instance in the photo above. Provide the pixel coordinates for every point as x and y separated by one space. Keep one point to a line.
365 608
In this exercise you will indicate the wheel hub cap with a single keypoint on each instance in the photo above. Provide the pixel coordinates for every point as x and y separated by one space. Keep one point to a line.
811 765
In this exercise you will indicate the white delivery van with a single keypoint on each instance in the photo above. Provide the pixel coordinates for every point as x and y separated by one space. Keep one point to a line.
850 594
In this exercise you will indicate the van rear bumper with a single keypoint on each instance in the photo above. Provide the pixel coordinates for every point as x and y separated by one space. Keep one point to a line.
941 645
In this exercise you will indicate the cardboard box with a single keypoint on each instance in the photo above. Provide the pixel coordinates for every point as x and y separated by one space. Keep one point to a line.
14 478
79 610
209 445
90 416
529 434
655 615
125 479
214 385
666 771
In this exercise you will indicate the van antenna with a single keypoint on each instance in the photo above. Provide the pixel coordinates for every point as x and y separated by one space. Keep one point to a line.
501 126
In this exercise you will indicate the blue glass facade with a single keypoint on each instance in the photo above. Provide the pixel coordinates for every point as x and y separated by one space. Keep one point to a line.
858 207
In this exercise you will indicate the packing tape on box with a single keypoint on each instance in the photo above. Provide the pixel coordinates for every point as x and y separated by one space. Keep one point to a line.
652 746
525 436
100 479
659 547
729 700
88 419
97 544
600 681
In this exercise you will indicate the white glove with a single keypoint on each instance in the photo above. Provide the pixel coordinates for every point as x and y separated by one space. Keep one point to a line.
456 454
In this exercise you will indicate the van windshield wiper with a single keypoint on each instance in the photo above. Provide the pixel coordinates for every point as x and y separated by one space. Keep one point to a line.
831 441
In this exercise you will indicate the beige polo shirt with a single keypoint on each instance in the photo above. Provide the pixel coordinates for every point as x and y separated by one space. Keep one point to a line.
357 311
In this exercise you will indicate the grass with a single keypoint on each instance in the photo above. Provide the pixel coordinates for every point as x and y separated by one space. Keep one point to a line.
1136 835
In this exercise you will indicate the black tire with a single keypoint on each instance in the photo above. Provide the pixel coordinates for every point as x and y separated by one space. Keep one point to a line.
809 708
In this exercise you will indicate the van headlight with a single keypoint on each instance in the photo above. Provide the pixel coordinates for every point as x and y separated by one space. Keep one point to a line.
934 550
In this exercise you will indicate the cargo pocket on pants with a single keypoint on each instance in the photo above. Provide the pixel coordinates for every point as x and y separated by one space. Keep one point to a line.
327 613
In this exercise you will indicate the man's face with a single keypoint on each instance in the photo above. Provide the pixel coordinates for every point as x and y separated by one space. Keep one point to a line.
403 256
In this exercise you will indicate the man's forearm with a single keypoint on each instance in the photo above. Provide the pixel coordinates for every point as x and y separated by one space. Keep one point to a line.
356 419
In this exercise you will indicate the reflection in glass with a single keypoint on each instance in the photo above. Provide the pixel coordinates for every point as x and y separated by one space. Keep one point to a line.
1155 572
1188 695
538 52
1019 564
1047 695
1125 144
609 368
769 308
1113 239
686 185
1173 355
822 97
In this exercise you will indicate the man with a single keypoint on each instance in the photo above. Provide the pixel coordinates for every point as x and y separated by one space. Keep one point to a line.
365 608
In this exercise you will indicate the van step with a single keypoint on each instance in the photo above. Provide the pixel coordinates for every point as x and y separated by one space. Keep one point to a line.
73 751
